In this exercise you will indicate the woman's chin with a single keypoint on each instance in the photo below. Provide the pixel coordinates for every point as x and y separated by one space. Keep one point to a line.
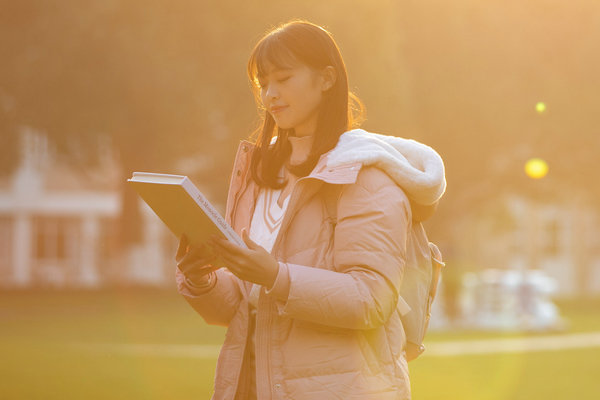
282 125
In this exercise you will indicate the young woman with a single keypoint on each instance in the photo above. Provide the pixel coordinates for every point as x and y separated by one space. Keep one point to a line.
328 215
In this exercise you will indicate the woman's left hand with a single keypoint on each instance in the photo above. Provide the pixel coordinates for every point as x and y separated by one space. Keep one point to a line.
254 264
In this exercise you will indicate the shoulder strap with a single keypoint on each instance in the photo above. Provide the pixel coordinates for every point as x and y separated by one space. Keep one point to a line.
436 264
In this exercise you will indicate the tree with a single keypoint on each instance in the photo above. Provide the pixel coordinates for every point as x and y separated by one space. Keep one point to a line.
162 81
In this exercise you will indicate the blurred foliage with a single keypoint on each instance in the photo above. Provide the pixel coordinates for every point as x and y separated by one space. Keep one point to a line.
165 81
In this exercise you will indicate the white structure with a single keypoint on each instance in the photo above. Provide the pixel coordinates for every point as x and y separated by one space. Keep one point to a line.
509 300
560 238
55 232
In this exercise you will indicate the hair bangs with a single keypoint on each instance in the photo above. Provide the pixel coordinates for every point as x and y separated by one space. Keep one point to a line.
269 53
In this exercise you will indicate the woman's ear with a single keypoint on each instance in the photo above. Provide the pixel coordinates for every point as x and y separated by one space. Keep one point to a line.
329 77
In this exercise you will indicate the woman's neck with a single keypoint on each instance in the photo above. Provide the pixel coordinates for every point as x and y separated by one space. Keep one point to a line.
301 146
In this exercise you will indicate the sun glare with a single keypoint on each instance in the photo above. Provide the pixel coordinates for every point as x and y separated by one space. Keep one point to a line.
540 107
536 168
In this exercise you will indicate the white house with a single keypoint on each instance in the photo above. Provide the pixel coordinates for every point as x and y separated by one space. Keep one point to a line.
58 226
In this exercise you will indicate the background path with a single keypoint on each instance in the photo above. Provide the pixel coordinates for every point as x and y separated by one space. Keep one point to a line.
434 349
513 345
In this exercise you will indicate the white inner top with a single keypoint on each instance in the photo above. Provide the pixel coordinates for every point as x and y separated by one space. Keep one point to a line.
266 222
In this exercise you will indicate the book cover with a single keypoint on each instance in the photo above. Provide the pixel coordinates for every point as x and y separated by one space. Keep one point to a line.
182 207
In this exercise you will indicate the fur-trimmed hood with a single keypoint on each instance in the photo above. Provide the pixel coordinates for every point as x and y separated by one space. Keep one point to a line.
415 167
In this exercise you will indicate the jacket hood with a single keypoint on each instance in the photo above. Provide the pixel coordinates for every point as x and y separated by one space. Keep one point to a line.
415 167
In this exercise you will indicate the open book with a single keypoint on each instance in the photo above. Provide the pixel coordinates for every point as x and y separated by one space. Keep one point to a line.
182 207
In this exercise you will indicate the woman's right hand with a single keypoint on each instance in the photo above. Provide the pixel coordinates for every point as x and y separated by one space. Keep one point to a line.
194 262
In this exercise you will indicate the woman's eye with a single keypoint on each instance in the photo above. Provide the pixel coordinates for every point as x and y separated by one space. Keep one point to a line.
264 84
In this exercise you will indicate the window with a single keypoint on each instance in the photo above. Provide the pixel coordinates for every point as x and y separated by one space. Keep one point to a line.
56 249
53 237
108 238
6 244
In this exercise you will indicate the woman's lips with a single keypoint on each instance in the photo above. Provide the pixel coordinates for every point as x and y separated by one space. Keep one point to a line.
278 109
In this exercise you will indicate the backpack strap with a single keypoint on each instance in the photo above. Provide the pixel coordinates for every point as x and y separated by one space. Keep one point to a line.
413 350
437 264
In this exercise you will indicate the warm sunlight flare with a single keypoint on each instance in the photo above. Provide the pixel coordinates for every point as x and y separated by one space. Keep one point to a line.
300 160
540 107
536 168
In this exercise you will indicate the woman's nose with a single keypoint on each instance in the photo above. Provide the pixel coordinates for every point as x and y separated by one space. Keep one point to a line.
272 92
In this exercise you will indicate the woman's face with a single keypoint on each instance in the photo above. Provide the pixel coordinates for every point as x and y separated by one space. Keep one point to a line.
292 95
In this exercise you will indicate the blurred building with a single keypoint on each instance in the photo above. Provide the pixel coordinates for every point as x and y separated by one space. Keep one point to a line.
558 237
58 225
511 300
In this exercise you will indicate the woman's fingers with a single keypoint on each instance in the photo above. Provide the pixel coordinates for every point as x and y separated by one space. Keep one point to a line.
182 248
223 246
197 268
235 263
232 253
252 264
194 257
249 242
191 265
229 258
186 266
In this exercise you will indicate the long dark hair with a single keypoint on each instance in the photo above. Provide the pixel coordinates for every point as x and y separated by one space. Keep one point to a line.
300 42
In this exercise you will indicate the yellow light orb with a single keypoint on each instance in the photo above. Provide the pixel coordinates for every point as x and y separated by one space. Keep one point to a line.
540 107
536 168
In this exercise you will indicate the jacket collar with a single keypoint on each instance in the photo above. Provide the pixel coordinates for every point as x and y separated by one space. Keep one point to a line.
339 174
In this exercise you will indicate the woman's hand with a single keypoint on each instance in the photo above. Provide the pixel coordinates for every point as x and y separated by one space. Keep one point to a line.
194 262
253 264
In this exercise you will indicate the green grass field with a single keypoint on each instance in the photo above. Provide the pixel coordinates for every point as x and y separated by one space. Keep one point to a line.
58 345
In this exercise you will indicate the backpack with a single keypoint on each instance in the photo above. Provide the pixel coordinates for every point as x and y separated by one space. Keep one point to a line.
418 290
419 283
